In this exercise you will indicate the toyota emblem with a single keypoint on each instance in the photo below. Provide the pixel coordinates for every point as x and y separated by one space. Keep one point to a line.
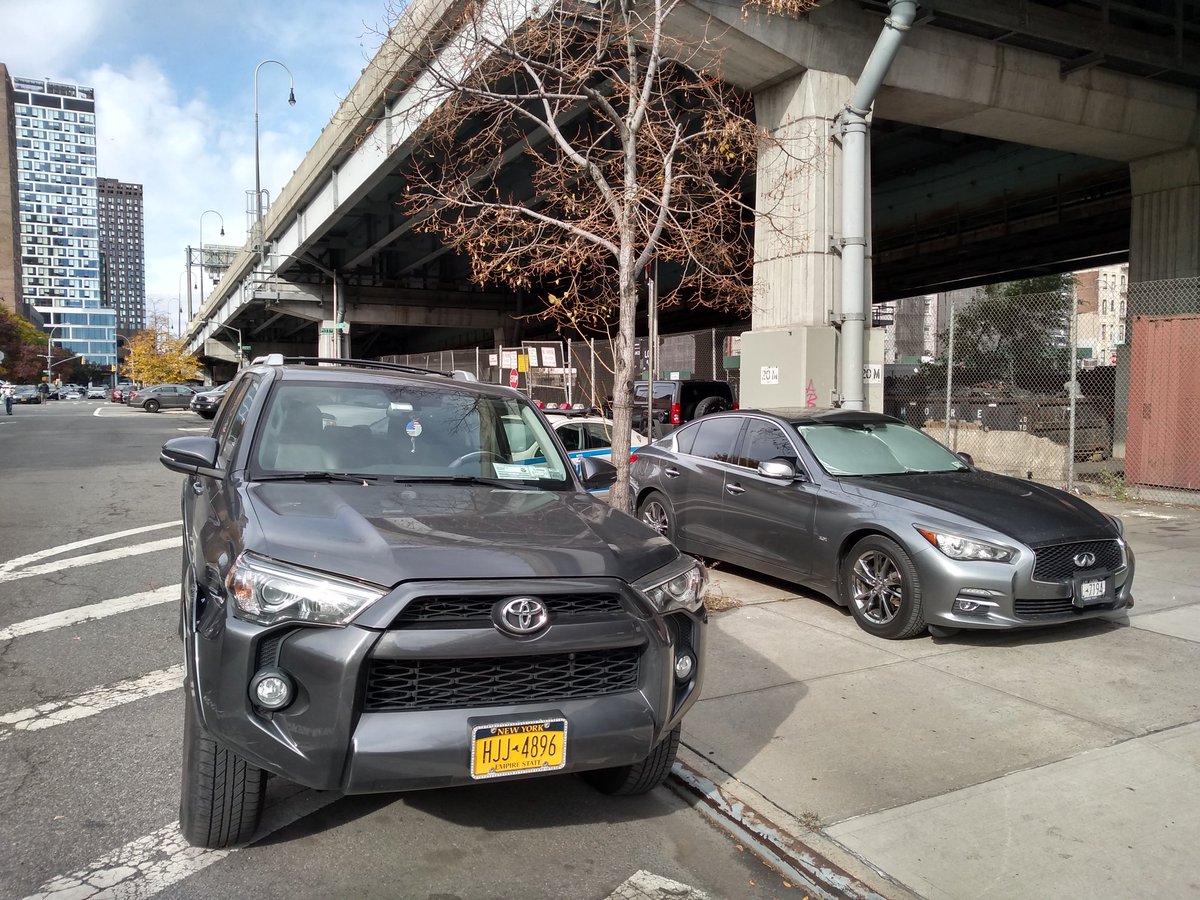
1084 560
520 616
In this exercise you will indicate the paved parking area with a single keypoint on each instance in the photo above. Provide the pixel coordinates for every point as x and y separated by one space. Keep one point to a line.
1048 762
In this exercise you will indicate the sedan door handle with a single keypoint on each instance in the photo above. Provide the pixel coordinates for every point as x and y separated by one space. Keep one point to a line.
734 489
671 472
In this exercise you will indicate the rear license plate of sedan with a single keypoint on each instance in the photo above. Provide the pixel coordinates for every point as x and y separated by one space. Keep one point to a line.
515 748
1092 592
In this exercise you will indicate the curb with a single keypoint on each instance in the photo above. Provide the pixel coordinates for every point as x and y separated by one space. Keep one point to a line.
819 864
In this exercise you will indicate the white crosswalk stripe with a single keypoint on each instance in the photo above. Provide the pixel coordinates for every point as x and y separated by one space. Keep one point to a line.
91 559
79 545
59 712
91 612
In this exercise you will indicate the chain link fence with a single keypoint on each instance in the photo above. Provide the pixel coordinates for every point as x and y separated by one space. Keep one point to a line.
1087 385
580 372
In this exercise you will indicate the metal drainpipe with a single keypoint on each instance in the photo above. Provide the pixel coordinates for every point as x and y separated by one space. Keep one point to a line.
854 196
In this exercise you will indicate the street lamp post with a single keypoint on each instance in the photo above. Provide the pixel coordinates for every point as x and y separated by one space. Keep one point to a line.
50 352
258 210
202 215
238 332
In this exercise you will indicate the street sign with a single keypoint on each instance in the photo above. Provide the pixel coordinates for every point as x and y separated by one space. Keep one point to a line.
514 379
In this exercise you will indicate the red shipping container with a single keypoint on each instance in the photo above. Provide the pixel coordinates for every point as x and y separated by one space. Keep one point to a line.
1162 445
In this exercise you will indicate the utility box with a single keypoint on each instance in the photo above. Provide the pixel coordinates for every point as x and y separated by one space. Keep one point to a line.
1162 445
789 367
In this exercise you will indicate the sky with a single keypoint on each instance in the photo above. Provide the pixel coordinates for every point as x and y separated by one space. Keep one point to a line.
175 101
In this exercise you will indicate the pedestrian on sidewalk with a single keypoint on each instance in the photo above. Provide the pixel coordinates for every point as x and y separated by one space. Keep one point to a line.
7 391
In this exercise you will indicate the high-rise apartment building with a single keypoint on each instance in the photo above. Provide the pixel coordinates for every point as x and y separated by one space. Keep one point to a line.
122 253
11 295
55 128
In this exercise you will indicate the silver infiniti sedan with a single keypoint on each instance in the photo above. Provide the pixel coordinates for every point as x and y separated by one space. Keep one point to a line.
884 519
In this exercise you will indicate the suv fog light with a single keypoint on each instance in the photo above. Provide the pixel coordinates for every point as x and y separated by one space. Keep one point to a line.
685 664
271 689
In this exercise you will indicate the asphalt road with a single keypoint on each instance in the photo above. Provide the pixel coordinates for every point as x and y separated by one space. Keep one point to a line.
90 727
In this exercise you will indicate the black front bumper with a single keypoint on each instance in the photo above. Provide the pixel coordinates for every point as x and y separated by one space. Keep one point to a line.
343 733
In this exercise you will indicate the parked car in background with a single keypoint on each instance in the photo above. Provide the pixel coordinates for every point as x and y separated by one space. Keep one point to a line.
206 403
676 403
117 395
585 434
883 519
161 396
71 392
97 392
380 595
26 393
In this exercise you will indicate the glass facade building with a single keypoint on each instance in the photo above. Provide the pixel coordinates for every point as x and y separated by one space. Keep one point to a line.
55 125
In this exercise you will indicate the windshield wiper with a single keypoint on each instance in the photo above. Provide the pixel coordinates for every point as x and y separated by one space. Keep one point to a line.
320 476
455 479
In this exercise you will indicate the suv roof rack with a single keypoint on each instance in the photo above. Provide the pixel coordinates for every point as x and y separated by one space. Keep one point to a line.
278 359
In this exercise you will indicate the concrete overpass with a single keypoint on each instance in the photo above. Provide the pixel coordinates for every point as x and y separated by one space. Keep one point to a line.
1010 136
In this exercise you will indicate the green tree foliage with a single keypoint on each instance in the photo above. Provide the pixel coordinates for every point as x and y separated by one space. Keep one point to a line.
157 356
24 349
1018 331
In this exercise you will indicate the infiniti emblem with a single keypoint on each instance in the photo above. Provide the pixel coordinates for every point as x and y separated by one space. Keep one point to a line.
1084 560
520 615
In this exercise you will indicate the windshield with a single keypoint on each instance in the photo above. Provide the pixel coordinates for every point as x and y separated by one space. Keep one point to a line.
405 432
877 448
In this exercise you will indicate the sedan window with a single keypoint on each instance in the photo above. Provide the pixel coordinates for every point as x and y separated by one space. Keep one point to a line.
877 448
763 441
716 437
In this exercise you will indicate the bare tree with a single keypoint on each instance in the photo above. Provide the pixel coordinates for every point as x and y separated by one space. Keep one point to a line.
562 147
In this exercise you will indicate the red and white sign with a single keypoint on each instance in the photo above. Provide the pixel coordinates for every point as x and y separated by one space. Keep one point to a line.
513 379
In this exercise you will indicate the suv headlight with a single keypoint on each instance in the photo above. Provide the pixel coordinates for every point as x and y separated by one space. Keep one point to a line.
680 585
267 593
956 546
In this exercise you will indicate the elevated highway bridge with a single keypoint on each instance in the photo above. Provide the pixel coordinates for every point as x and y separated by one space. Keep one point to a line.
1010 138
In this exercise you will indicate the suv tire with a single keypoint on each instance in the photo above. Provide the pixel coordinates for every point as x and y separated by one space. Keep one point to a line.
641 777
711 405
222 797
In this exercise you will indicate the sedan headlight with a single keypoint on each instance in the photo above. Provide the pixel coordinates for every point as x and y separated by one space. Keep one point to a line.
267 593
956 546
680 585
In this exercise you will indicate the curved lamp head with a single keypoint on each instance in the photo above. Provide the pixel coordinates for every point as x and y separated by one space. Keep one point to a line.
291 96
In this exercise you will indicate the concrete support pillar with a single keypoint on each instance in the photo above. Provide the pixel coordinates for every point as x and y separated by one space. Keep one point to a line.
1164 244
789 357
1164 232
796 274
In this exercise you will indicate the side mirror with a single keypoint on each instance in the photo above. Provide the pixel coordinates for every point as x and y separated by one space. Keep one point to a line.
779 470
597 473
967 458
191 456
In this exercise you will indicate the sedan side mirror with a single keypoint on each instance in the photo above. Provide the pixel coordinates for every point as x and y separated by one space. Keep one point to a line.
191 456
779 470
597 473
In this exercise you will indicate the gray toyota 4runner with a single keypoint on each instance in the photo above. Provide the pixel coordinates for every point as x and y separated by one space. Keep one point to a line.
394 579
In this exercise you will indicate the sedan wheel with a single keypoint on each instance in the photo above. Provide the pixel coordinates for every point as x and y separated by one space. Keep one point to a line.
655 511
880 585
152 406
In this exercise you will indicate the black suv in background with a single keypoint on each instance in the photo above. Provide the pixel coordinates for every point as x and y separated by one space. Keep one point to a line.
394 579
676 403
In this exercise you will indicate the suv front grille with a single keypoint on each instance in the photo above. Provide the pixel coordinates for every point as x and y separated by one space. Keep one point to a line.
459 611
422 684
1057 562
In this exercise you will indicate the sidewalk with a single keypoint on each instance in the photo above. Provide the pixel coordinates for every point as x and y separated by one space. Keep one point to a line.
1060 762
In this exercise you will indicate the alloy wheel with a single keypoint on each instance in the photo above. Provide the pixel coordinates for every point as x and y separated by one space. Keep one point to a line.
655 515
878 587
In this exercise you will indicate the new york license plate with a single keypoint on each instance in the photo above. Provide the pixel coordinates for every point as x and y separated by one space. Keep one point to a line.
1090 590
513 748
